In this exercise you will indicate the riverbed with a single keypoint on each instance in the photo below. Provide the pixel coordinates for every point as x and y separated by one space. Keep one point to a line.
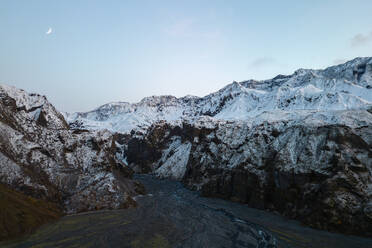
169 215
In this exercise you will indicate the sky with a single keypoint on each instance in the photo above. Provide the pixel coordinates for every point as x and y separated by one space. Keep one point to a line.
85 53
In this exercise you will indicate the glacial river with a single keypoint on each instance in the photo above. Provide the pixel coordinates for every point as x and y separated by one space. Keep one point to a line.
169 215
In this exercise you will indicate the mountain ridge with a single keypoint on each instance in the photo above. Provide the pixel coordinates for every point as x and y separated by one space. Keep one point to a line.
340 87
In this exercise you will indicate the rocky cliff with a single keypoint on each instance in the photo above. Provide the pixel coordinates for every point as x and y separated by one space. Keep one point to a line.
319 173
41 157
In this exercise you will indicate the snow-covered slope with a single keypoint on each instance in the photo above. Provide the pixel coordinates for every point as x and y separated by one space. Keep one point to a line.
342 87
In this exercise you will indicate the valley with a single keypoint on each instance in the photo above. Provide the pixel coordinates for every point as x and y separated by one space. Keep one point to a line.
266 161
169 215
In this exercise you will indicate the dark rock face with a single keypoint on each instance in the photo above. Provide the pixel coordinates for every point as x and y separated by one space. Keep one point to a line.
142 154
319 174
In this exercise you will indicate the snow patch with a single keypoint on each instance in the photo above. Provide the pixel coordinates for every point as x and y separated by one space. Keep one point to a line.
174 166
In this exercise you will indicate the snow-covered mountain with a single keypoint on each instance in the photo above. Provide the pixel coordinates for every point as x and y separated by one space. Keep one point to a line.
300 145
341 87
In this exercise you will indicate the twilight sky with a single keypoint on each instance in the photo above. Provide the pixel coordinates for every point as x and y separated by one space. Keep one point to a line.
85 53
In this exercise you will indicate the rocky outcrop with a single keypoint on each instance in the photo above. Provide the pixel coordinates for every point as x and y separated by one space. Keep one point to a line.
310 170
41 157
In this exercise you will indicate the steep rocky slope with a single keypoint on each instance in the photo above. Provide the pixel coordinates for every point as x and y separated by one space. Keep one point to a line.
41 157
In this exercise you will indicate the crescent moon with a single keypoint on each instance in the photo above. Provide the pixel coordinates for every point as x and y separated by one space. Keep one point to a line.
50 30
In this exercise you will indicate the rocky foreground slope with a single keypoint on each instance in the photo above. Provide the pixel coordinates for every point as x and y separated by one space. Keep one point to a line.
42 158
300 145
